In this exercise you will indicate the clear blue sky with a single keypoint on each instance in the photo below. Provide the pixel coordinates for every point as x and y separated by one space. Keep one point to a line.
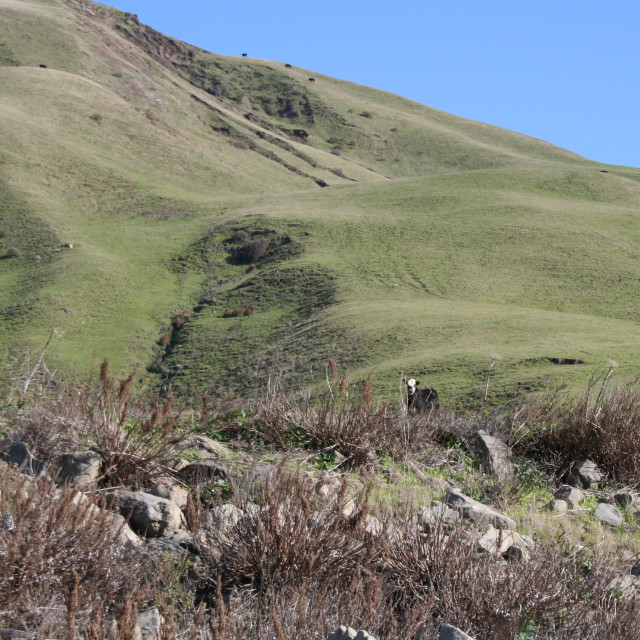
565 71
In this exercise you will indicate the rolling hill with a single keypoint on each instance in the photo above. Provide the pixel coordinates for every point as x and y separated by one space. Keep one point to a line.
229 222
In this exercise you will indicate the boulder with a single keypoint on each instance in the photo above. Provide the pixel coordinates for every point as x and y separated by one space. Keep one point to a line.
373 526
81 469
17 453
148 626
584 474
571 495
225 517
493 455
606 512
428 518
447 632
558 506
476 511
171 492
125 534
148 515
182 538
327 487
624 587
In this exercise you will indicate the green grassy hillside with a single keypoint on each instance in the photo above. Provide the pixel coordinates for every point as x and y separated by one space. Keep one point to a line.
390 236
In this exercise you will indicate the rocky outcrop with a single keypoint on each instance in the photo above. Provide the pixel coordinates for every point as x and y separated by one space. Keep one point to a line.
171 492
504 542
571 495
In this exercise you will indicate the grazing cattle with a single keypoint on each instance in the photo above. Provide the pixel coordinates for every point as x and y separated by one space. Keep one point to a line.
287 66
244 55
312 79
419 400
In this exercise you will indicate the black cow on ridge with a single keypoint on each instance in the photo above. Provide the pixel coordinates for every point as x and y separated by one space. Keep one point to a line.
421 400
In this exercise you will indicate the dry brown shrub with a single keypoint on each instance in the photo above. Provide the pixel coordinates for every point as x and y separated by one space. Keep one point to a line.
559 429
60 564
298 566
136 437
350 423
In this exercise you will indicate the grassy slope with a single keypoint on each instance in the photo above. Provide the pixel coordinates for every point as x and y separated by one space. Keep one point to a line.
442 242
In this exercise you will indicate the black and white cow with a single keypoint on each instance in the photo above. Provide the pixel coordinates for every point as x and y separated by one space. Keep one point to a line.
421 400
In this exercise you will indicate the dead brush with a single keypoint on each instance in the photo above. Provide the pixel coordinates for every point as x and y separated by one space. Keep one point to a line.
558 430
441 576
350 423
135 437
294 569
287 538
60 564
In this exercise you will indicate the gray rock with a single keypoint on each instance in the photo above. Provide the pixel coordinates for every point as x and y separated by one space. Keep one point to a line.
584 474
207 448
17 453
150 515
347 633
624 498
447 632
625 587
429 518
12 634
81 469
327 487
515 554
149 624
203 471
571 495
509 544
493 454
608 513
182 538
373 526
172 492
125 534
162 546
476 511
558 506
225 517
